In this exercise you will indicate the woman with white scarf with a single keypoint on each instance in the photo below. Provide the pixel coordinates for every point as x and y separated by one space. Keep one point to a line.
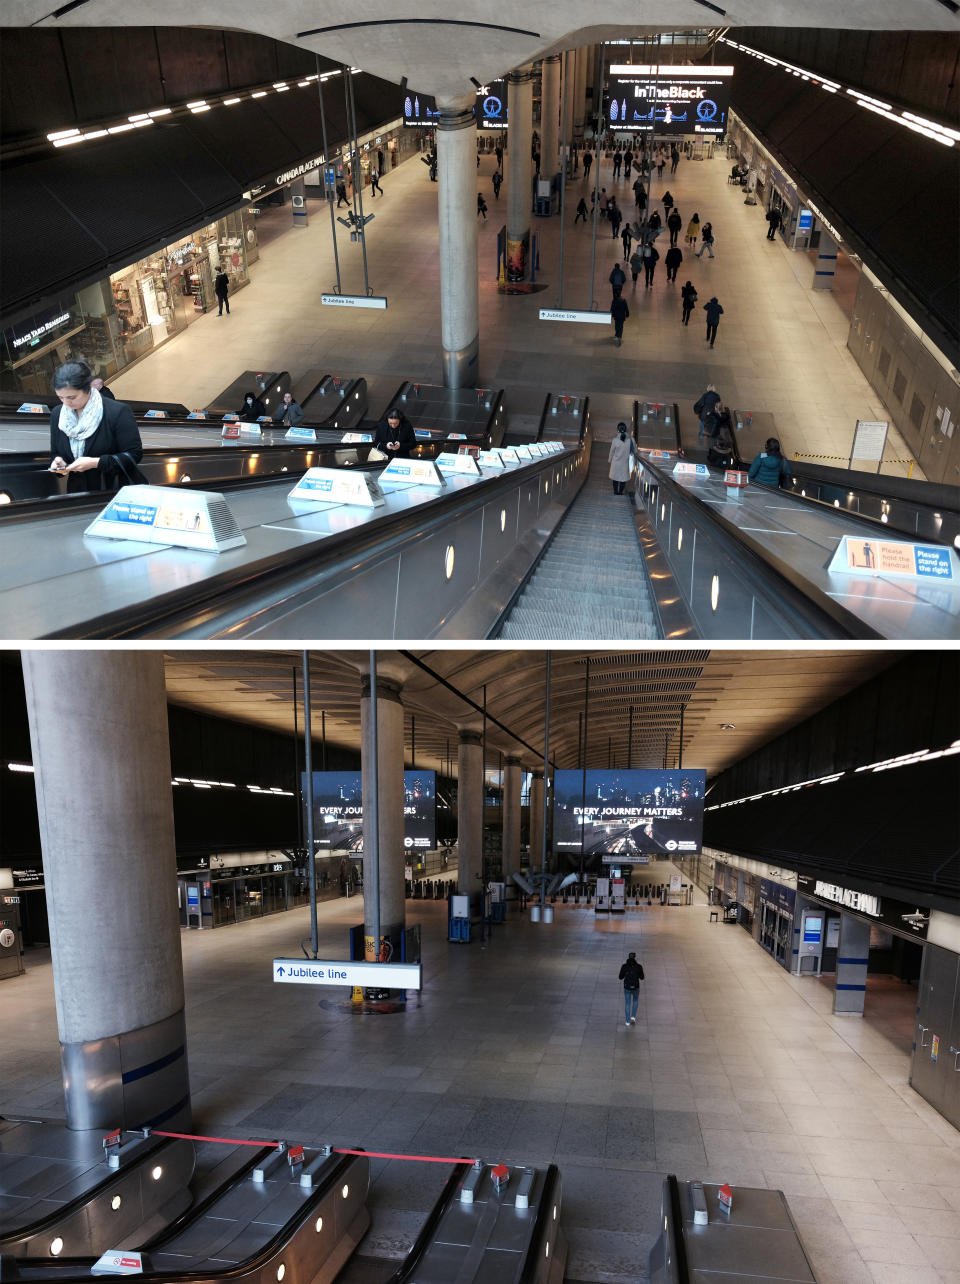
94 442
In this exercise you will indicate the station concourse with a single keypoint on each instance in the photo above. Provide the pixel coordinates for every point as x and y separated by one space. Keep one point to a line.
742 1067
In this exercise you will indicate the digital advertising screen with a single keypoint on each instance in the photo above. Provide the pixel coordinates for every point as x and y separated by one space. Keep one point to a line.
419 110
622 814
338 810
491 106
669 100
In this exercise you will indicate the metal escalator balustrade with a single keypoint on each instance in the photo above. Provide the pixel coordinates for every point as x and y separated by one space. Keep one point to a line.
590 582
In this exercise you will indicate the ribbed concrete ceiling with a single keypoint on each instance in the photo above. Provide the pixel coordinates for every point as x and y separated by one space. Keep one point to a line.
760 693
439 47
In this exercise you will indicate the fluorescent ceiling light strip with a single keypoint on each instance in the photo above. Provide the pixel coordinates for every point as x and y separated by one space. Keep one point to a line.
20 766
932 124
229 102
194 110
160 111
63 133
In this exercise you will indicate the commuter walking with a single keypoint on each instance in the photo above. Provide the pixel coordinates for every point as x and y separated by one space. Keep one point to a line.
375 183
636 263
774 221
621 458
341 193
667 200
222 287
631 974
705 405
379 160
617 163
714 312
627 237
627 163
289 412
618 279
587 162
650 259
498 183
619 312
674 223
582 211
693 230
674 159
640 194
661 161
616 218
654 225
673 259
770 467
481 206
707 240
689 296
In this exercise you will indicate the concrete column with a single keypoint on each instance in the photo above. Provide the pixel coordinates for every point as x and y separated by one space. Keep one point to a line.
469 812
824 272
512 781
101 756
549 115
581 79
457 223
390 801
852 958
536 820
519 170
569 90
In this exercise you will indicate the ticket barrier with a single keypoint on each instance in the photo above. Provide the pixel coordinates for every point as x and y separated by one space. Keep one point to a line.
458 918
497 893
610 896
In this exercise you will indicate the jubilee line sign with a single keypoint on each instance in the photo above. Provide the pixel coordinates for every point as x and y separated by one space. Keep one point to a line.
396 976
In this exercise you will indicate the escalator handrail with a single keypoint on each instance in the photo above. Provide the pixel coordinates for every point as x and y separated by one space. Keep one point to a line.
934 495
533 1257
429 1227
677 1224
805 598
352 546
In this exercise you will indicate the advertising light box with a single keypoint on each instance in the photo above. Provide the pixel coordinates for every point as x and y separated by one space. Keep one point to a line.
621 814
420 111
491 106
669 100
338 810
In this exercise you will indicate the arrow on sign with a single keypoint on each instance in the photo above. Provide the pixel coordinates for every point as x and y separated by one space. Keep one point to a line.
280 971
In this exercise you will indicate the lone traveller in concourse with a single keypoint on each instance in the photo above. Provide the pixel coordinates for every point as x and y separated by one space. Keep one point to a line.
631 974
587 162
714 312
774 221
619 311
395 435
221 285
94 442
689 296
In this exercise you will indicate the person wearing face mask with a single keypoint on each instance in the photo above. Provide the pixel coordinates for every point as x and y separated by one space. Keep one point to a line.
620 459
252 409
94 442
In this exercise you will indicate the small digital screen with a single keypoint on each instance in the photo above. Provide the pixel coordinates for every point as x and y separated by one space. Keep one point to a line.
625 813
812 928
338 810
193 895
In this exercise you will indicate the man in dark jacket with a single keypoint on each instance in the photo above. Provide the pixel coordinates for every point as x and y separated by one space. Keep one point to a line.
618 279
774 220
395 435
673 259
674 223
704 406
631 974
288 412
714 312
651 258
222 287
619 312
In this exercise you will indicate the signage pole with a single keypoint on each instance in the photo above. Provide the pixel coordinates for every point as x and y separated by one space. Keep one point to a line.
371 825
326 188
583 777
483 804
308 766
298 789
357 172
563 169
546 768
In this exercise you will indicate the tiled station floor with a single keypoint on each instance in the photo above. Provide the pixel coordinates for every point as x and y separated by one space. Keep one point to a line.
781 347
517 1051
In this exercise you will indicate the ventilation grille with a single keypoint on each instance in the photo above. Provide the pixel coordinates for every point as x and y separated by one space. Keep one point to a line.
222 521
900 386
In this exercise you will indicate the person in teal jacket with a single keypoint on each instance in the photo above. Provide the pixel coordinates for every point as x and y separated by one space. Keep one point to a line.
770 467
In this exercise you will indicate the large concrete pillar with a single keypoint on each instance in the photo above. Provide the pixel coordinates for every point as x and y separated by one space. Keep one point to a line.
457 221
569 66
549 115
825 271
519 170
853 953
390 801
536 820
101 756
512 781
469 812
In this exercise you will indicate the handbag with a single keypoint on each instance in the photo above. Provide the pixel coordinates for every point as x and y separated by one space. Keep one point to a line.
129 472
376 454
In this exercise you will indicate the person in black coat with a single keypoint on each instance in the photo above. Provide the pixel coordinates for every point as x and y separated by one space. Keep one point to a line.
619 312
689 296
395 435
673 259
252 409
94 442
222 287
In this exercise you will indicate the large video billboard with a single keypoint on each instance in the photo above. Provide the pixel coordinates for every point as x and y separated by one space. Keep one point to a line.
491 106
338 810
420 111
628 813
669 100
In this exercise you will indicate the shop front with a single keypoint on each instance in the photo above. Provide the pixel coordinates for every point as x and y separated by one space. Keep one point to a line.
774 920
114 322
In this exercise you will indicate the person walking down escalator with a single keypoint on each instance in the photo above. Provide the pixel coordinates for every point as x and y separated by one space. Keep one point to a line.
621 458
769 467
252 409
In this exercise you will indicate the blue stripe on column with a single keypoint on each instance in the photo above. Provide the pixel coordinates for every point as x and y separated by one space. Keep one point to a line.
826 256
167 1114
858 961
830 273
850 987
152 1067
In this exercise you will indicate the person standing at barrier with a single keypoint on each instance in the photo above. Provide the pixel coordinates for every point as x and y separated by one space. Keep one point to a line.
631 974
289 412
395 435
714 312
94 442
774 221
769 467
252 409
689 296
621 459
221 287
619 312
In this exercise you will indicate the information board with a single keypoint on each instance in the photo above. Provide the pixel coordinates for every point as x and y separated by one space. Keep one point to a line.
927 562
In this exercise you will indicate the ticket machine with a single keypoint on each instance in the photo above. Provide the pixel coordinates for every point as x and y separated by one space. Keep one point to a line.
11 944
811 941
